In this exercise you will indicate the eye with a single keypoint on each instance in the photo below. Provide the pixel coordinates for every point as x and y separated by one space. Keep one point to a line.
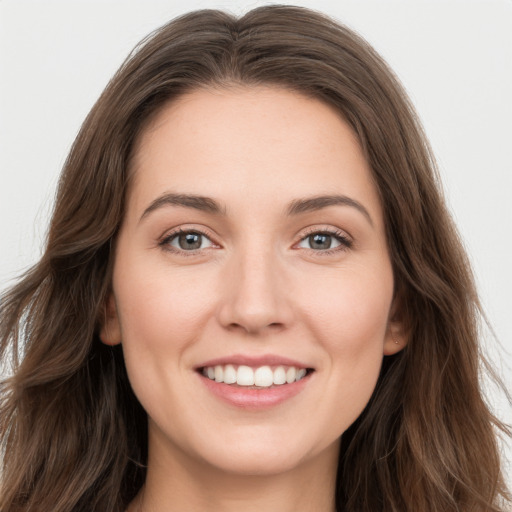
325 241
191 240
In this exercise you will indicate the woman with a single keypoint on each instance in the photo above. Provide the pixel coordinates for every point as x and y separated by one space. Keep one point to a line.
252 295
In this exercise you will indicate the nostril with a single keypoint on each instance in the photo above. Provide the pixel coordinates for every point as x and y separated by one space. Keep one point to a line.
254 326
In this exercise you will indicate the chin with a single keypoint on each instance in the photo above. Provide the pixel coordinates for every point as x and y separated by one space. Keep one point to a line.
260 464
264 454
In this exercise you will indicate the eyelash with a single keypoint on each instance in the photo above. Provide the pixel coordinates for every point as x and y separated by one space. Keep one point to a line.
165 242
345 242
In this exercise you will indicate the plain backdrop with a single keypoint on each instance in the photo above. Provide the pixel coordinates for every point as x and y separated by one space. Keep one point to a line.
454 58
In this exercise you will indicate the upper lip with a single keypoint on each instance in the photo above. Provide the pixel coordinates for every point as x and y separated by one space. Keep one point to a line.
254 361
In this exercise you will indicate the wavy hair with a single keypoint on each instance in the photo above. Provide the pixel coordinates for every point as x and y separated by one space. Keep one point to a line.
74 437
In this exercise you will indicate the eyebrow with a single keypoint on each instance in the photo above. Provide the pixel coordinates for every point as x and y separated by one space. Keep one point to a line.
311 204
203 203
296 207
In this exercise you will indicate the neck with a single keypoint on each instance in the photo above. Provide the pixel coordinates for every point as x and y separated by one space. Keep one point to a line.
181 483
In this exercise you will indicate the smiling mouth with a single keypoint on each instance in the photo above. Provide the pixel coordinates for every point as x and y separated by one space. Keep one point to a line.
261 377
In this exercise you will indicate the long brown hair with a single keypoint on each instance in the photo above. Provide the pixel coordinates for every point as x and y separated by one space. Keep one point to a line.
73 435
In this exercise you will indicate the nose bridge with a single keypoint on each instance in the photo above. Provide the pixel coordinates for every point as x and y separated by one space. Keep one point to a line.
255 297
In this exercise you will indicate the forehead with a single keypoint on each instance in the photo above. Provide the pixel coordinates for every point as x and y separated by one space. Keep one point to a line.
260 142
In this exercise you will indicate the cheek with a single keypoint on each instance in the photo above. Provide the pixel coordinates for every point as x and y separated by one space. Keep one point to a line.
349 319
161 306
351 310
162 313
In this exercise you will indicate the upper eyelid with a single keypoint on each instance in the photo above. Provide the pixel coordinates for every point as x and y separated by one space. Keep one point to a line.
334 231
345 241
310 230
170 233
164 241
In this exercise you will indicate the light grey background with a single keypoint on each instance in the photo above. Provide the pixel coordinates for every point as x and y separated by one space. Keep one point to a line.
453 56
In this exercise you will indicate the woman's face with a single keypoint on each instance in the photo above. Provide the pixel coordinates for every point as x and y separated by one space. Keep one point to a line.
253 247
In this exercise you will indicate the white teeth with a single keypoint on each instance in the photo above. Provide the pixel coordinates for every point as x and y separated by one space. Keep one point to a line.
245 376
263 376
229 374
279 376
290 374
219 373
300 374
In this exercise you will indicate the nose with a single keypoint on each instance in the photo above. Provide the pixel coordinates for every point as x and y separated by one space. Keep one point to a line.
254 297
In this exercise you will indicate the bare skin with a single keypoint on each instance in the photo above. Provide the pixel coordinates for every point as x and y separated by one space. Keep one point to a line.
261 269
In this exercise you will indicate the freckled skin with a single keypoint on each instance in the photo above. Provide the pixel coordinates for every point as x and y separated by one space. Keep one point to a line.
256 286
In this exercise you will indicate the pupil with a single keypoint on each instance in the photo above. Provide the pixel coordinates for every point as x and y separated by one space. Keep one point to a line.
190 241
320 241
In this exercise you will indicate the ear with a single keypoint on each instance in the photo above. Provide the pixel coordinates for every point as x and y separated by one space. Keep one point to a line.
110 330
397 335
396 339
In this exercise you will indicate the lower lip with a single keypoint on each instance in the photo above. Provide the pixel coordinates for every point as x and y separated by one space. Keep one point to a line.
253 398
